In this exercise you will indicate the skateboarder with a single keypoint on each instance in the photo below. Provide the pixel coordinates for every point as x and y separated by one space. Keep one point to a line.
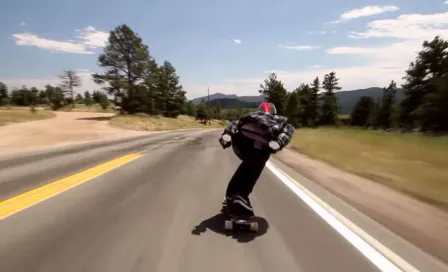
254 137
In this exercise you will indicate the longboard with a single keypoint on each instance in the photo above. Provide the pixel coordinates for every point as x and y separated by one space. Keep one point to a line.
239 222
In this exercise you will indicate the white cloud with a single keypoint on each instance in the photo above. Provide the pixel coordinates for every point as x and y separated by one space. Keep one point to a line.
315 66
446 2
237 41
89 38
380 64
411 29
28 39
364 12
407 26
93 38
299 47
23 24
320 32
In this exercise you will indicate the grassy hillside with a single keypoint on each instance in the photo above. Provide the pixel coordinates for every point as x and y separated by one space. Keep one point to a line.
415 164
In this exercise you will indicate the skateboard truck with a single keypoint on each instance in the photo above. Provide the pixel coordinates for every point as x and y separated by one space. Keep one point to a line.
240 224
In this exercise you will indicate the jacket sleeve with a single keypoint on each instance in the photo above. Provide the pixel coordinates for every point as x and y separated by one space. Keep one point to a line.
285 135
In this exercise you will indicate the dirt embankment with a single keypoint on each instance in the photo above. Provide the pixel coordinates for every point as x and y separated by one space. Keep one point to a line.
65 128
420 223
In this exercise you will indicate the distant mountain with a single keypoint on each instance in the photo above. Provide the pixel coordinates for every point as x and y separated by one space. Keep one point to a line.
255 98
346 99
213 97
233 103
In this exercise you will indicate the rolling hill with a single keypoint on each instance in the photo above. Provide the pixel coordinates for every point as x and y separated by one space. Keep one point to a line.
346 99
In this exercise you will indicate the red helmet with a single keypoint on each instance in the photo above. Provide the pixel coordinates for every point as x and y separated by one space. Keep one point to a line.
267 107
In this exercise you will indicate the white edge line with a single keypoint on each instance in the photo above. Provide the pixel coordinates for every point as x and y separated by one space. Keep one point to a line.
66 189
353 234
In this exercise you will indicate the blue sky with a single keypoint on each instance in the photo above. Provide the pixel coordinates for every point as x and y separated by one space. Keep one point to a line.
229 46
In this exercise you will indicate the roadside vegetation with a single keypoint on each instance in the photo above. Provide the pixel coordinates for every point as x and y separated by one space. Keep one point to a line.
12 115
412 163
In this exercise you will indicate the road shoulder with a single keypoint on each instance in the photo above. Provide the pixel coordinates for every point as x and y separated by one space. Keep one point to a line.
419 223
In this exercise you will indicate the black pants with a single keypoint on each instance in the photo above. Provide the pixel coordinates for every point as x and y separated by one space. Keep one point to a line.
253 162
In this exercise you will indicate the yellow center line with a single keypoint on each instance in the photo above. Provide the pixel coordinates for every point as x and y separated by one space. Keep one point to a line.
20 202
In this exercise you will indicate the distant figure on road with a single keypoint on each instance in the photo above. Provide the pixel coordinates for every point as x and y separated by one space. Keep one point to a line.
254 137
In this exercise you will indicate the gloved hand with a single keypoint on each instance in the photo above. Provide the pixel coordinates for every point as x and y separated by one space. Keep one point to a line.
274 145
225 141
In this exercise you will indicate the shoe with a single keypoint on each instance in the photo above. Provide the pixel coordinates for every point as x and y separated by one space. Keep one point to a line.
226 199
240 207
245 203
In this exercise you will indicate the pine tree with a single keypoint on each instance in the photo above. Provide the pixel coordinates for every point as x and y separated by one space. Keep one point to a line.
361 111
170 91
70 80
330 108
293 109
386 110
4 95
275 92
128 63
424 87
313 106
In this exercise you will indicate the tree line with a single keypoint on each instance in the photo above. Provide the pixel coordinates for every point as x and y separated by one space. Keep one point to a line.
138 84
131 76
424 107
307 105
54 96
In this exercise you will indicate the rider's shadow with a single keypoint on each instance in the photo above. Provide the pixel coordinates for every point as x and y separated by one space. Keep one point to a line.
216 224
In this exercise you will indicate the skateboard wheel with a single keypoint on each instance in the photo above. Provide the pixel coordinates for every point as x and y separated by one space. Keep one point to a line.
228 225
254 227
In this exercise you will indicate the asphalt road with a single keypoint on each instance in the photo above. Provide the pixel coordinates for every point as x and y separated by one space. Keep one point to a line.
160 211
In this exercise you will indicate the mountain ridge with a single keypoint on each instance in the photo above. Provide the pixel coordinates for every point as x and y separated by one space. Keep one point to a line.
346 99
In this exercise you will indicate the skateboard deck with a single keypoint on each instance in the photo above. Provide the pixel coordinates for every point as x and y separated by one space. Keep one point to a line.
243 223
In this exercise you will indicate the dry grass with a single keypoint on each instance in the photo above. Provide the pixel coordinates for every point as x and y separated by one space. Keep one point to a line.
158 123
11 115
84 108
415 164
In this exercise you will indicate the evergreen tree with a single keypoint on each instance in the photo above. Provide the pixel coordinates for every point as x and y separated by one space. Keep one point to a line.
79 99
128 63
313 106
70 80
170 91
293 109
424 88
361 111
330 108
4 95
386 110
275 92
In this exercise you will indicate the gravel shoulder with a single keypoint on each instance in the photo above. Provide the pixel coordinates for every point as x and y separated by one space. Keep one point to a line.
420 223
64 129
